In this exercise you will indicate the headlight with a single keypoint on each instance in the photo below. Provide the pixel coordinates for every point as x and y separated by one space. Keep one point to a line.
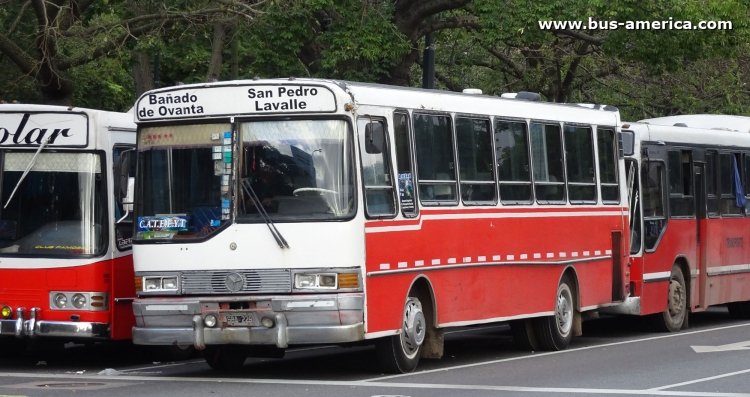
72 300
169 283
60 300
157 284
315 280
79 301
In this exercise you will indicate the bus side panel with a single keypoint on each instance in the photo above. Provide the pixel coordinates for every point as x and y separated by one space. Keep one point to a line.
678 241
489 265
729 251
121 299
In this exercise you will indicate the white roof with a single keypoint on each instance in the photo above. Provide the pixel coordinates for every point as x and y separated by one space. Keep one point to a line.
707 121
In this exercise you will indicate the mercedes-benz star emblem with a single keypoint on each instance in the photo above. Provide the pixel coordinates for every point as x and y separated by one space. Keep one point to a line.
235 282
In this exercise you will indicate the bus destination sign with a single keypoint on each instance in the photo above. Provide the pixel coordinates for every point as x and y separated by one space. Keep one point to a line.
33 129
235 100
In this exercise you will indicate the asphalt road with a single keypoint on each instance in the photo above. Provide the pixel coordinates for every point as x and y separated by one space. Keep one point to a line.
615 357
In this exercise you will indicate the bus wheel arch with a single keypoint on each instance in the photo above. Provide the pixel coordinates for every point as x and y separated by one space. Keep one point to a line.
556 331
418 335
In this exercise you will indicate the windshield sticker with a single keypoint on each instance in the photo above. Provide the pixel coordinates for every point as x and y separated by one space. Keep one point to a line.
175 223
406 191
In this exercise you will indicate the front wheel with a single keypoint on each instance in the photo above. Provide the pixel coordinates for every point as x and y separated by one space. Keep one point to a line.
225 357
674 317
400 353
555 332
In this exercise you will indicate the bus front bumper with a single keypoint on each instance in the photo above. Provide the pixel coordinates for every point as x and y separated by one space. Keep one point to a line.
269 320
32 327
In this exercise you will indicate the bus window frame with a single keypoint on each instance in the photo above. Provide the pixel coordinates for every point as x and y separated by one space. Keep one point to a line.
412 159
386 152
534 182
532 197
451 134
664 203
493 170
617 151
594 162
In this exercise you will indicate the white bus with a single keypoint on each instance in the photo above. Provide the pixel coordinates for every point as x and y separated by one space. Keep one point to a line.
273 213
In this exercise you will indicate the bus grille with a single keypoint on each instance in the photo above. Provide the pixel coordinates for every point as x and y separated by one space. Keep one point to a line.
261 281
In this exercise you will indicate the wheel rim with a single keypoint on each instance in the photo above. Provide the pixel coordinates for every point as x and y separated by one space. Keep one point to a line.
564 310
677 298
413 328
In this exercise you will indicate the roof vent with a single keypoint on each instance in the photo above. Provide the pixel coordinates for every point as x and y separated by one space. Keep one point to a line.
525 96
472 91
680 125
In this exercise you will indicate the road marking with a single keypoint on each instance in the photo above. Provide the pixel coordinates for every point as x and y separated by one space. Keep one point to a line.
349 384
690 382
723 348
545 354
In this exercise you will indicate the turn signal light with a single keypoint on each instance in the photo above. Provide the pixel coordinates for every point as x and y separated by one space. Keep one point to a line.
6 311
348 280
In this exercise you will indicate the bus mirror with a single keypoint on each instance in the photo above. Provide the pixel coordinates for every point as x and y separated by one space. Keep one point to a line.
374 138
627 142
123 175
127 201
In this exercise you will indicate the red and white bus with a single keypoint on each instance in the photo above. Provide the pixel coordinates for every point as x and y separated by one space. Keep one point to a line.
66 269
690 184
273 213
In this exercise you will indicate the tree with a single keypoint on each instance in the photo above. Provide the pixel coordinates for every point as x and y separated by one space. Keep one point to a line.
49 39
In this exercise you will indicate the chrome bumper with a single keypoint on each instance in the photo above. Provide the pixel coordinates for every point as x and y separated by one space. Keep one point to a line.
308 319
23 327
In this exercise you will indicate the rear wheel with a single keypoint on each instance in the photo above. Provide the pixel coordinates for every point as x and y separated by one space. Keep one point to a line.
400 353
674 317
555 332
225 357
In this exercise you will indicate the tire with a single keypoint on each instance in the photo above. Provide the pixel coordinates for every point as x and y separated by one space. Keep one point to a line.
524 336
225 357
739 310
674 317
555 332
400 353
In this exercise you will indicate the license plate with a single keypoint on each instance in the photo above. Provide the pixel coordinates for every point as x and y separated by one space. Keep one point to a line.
241 319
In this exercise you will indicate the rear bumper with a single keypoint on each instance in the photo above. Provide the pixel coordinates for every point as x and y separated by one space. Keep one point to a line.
308 319
30 327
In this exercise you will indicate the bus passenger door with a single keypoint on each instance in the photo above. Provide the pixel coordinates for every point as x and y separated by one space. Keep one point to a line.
699 174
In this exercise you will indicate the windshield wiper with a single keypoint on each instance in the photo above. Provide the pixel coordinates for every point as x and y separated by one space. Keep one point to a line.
26 172
250 192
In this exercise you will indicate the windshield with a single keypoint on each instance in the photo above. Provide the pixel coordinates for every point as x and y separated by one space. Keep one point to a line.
184 175
58 208
299 170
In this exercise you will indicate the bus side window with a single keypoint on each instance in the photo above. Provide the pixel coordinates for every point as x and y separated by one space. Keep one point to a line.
406 191
680 170
547 161
712 188
475 166
579 163
435 161
513 166
654 218
124 228
746 180
727 168
606 145
376 168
